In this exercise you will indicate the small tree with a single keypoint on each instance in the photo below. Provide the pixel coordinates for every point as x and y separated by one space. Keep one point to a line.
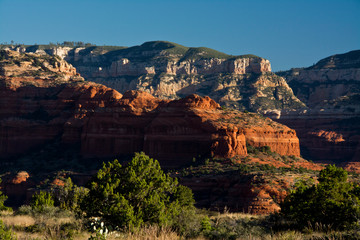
41 200
333 201
136 194
6 233
2 201
69 196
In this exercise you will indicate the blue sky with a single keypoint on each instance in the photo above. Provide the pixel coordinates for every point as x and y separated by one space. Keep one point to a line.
289 33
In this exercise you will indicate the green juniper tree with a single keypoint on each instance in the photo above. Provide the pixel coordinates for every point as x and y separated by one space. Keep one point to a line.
333 201
136 194
2 201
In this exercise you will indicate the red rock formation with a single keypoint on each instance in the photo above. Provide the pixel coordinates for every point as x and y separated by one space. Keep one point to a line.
106 124
329 138
179 130
238 193
222 185
16 186
330 129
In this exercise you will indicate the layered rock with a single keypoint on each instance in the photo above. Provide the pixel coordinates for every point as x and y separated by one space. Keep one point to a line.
125 67
171 71
35 107
329 130
104 123
235 193
253 184
328 80
17 188
96 122
176 131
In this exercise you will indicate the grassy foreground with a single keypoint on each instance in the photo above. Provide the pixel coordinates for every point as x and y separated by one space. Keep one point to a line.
64 225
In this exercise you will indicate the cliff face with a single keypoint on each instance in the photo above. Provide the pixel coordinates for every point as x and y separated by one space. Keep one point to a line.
330 129
176 66
105 123
254 184
330 79
171 71
38 95
47 109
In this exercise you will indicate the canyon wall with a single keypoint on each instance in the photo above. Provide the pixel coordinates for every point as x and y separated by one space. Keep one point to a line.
171 71
58 104
329 130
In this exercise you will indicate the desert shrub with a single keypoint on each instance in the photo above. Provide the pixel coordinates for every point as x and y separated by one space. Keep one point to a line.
42 203
2 200
41 200
333 201
45 211
265 149
69 196
136 194
5 233
233 227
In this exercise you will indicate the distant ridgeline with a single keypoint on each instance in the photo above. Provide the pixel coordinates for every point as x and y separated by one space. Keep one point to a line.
171 71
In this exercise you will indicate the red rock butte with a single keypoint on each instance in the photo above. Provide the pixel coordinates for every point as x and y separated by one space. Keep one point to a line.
104 123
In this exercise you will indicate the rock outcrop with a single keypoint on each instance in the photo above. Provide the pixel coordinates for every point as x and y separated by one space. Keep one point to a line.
171 71
329 80
236 193
58 104
255 184
329 130
45 101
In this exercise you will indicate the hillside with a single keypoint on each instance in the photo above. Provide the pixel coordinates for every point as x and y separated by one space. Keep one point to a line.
330 129
53 120
330 79
171 71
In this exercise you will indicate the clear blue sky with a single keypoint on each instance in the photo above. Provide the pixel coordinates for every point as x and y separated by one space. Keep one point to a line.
290 33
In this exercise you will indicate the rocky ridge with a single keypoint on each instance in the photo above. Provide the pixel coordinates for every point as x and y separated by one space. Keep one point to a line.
329 130
171 71
105 123
329 80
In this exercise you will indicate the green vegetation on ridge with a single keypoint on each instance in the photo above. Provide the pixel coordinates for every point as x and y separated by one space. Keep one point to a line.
172 49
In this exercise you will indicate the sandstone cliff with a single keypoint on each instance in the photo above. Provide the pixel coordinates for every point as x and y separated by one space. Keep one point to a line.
255 184
39 109
52 119
330 129
328 80
171 71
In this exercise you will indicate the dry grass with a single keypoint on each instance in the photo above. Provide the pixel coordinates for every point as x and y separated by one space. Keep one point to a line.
50 228
237 215
17 221
149 233
289 235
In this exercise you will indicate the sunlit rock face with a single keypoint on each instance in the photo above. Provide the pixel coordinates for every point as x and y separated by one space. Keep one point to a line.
58 104
172 71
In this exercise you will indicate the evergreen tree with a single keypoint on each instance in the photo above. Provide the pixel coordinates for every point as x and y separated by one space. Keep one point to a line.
136 194
2 201
333 201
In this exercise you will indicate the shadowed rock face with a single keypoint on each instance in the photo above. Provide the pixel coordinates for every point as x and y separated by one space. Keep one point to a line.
105 123
330 129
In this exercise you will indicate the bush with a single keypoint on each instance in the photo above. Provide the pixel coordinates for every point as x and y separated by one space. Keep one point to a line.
2 200
5 233
334 201
136 194
41 200
69 196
